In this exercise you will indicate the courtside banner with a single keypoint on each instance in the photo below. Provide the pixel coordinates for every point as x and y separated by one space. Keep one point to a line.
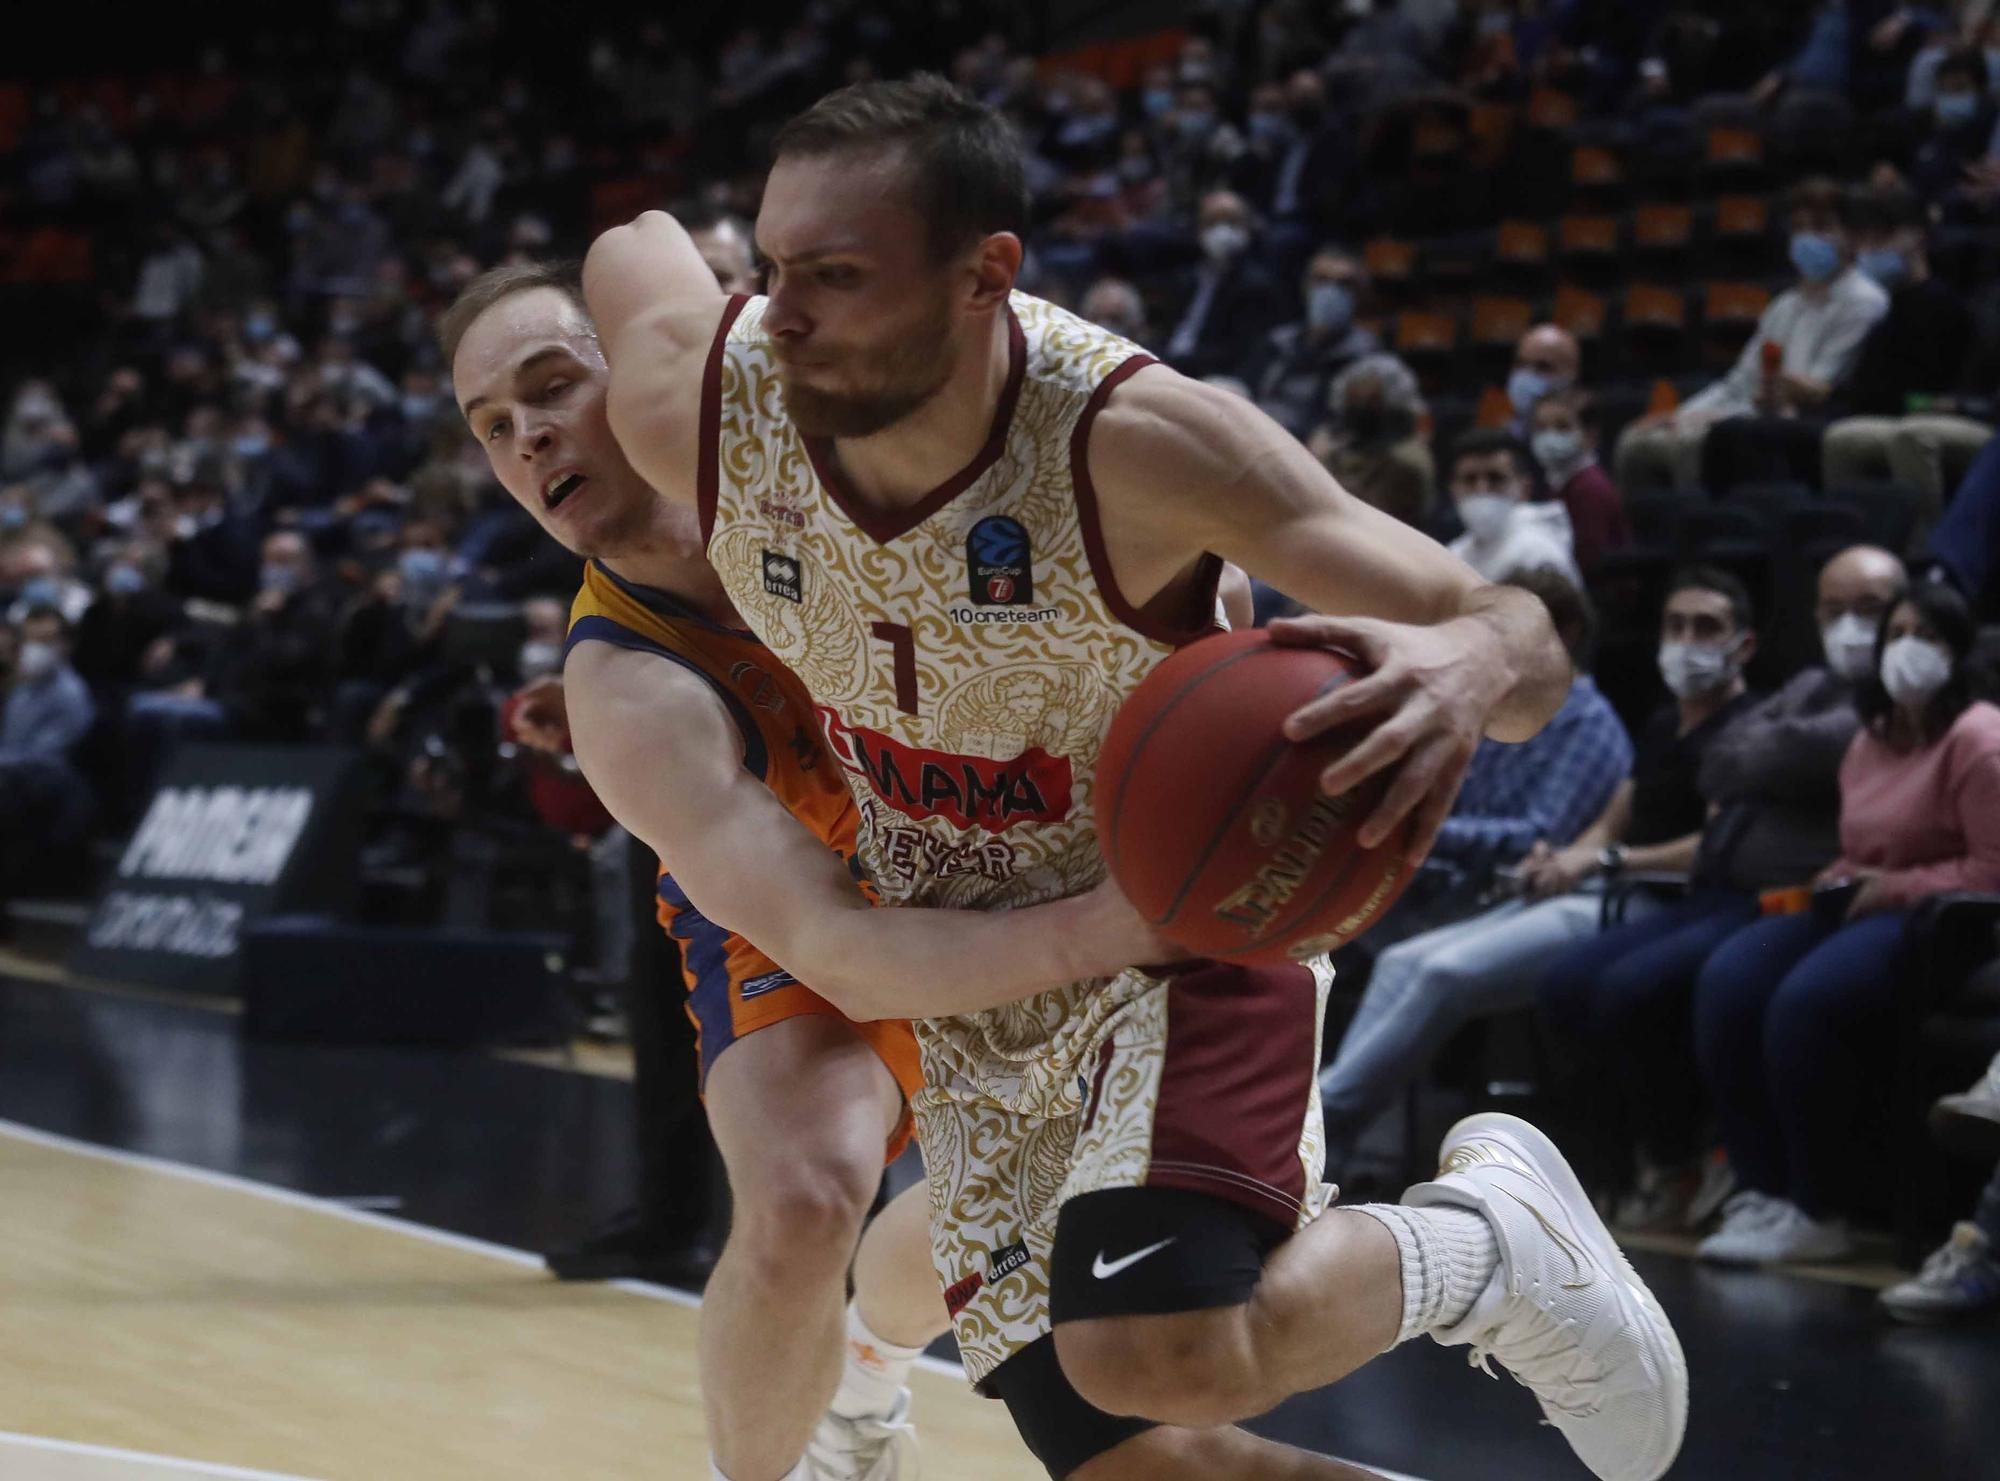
231 833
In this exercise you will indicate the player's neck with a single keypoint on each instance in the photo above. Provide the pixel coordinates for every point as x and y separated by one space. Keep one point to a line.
899 466
690 578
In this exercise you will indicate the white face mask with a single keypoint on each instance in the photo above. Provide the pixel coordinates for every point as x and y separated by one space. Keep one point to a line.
37 660
1224 240
1912 670
1692 669
1849 642
1486 516
539 657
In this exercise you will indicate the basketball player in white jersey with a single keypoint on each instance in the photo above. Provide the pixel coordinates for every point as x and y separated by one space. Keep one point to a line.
800 1107
971 523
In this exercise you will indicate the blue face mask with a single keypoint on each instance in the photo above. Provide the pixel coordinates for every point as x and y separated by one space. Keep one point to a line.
1157 101
423 574
1526 386
1329 308
1817 257
13 517
1955 110
1885 265
43 591
124 581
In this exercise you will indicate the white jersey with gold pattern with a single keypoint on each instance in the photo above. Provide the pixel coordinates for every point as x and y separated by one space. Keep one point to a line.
965 655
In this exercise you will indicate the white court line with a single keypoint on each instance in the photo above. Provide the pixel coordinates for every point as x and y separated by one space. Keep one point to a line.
11 1441
36 1136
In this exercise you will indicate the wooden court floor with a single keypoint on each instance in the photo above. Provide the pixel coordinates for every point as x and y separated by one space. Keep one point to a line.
177 1313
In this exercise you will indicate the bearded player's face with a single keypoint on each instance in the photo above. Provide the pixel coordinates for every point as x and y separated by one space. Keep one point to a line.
863 320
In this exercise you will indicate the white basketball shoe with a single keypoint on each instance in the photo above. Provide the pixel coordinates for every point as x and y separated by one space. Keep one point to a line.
878 1448
1564 1313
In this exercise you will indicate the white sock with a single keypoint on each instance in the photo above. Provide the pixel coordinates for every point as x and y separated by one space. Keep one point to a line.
796 1473
873 1373
1448 1256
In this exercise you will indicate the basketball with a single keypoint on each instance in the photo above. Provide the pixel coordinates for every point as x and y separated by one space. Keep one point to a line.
1213 822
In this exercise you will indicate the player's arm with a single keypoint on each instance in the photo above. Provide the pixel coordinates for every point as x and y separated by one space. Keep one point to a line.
1182 468
664 756
656 306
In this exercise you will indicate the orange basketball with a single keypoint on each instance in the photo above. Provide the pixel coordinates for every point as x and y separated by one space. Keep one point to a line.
1214 824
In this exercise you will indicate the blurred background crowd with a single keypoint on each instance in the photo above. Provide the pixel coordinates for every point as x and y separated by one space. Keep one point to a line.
1597 292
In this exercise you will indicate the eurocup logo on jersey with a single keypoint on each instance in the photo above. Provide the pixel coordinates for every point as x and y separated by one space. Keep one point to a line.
999 565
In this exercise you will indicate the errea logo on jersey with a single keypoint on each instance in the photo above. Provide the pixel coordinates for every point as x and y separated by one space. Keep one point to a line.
781 576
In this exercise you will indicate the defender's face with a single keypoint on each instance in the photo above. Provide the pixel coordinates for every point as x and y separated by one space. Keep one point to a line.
862 319
531 382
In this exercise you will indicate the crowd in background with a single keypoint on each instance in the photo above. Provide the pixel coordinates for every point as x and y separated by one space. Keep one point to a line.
237 500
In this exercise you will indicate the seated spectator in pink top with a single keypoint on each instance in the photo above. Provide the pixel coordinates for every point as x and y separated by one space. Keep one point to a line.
1792 1014
1563 434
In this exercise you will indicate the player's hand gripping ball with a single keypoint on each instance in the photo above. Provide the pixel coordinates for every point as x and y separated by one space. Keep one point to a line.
1213 823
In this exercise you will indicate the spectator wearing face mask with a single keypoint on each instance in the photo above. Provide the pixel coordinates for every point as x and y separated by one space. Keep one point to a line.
1291 372
1424 988
1791 1013
1370 442
1816 327
1898 409
1563 437
1299 169
1770 784
1959 132
38 569
1504 532
1230 302
128 617
45 806
272 672
1546 360
1916 351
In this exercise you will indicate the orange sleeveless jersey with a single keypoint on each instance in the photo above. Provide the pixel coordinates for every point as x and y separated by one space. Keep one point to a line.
733 988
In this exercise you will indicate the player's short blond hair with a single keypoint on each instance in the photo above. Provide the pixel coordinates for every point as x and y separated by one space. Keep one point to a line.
503 282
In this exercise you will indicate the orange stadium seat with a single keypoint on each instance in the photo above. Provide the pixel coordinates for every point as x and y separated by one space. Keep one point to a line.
1390 259
1551 109
1500 321
1579 311
1521 243
1588 236
1739 217
1662 226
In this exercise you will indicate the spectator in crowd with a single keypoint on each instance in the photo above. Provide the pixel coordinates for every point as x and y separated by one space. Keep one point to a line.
1301 182
132 614
1229 302
48 709
1960 127
1918 348
1563 436
1817 327
1965 544
1424 988
1115 304
1891 418
1546 359
1789 1011
1505 533
1370 440
1515 796
40 569
45 805
1770 784
1291 371
724 244
1962 1276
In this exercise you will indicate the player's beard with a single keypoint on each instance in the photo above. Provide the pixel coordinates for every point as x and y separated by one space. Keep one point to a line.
894 381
